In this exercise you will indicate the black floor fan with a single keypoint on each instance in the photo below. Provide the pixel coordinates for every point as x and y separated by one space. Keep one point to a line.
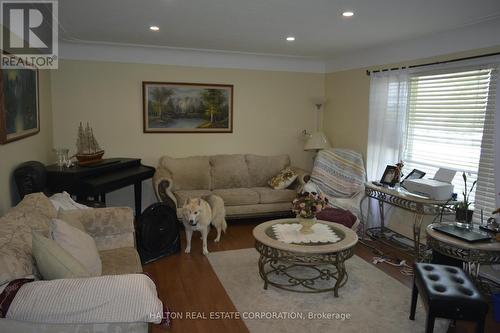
157 231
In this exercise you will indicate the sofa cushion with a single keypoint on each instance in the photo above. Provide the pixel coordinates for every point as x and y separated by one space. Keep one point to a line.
269 195
34 211
229 171
15 262
103 299
238 196
182 196
189 173
262 168
110 227
38 202
123 260
100 222
267 210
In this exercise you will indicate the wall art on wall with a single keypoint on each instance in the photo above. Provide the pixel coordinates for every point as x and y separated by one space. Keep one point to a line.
19 114
171 107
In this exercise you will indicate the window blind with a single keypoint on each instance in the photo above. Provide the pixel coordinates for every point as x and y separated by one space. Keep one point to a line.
486 191
445 121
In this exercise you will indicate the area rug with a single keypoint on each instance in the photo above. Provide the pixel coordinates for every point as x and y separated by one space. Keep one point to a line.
370 302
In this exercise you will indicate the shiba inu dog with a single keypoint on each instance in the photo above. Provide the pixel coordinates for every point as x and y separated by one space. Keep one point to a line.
199 213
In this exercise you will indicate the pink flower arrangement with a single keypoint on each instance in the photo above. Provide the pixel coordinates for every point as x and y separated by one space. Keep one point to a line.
307 205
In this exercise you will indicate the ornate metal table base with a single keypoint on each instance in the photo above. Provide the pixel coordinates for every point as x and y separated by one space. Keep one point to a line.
396 240
472 258
276 265
418 206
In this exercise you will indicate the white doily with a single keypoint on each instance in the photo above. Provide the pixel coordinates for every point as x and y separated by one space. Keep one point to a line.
290 233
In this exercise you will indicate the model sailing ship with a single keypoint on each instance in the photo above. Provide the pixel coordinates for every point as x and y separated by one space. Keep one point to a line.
88 150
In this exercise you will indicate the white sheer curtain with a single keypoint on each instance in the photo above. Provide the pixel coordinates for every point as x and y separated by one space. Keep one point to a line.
386 130
387 121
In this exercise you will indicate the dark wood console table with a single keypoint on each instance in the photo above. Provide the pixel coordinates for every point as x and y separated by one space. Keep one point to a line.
101 178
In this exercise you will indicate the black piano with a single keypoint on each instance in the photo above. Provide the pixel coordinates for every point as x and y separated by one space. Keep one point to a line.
97 179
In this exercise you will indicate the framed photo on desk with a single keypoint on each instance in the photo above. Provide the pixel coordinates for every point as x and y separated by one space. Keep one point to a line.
389 176
415 174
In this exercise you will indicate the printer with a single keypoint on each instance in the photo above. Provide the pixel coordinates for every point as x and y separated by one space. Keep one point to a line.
437 188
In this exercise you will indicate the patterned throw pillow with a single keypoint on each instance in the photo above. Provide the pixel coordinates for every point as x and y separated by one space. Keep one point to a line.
284 179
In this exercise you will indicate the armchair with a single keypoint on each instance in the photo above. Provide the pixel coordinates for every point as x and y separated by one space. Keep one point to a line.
339 174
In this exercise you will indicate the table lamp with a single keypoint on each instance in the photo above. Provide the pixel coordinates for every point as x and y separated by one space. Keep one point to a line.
316 141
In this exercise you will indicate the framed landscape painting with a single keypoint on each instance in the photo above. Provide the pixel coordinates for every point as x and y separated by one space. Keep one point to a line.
171 107
19 114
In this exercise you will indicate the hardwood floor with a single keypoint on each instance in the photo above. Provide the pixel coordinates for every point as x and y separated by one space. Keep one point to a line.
190 287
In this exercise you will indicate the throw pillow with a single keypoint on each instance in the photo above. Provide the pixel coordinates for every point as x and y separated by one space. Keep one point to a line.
77 243
284 179
53 261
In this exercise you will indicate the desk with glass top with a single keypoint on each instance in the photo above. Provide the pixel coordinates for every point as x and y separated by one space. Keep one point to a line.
418 205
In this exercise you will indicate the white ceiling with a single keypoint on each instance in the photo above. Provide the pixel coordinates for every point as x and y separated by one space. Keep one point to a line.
260 26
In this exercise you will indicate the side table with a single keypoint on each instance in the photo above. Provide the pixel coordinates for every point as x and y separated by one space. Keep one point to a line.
472 254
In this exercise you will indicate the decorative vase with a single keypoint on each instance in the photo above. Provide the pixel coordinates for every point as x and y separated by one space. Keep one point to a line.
464 215
307 224
463 218
62 156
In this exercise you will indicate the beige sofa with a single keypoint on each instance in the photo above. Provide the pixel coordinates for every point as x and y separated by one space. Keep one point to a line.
241 181
111 228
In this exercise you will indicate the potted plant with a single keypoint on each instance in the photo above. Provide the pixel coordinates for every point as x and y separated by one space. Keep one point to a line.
462 212
306 206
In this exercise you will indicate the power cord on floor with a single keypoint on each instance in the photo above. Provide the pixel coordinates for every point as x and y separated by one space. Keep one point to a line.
405 268
383 258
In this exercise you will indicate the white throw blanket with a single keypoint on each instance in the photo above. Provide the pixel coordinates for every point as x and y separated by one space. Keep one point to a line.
104 299
64 201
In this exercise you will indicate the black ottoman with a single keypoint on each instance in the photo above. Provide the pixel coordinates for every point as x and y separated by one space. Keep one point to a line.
447 292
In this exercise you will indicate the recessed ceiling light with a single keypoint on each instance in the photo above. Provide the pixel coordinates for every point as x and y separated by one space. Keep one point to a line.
290 39
154 28
347 13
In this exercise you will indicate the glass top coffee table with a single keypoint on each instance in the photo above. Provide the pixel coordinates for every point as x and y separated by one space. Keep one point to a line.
310 267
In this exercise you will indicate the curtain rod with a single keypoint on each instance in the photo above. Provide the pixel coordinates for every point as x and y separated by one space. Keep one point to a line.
369 72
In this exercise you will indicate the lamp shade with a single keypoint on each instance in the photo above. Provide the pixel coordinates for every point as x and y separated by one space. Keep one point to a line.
317 141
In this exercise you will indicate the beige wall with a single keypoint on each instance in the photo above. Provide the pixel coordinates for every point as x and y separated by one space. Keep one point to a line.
37 147
347 94
270 111
346 111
